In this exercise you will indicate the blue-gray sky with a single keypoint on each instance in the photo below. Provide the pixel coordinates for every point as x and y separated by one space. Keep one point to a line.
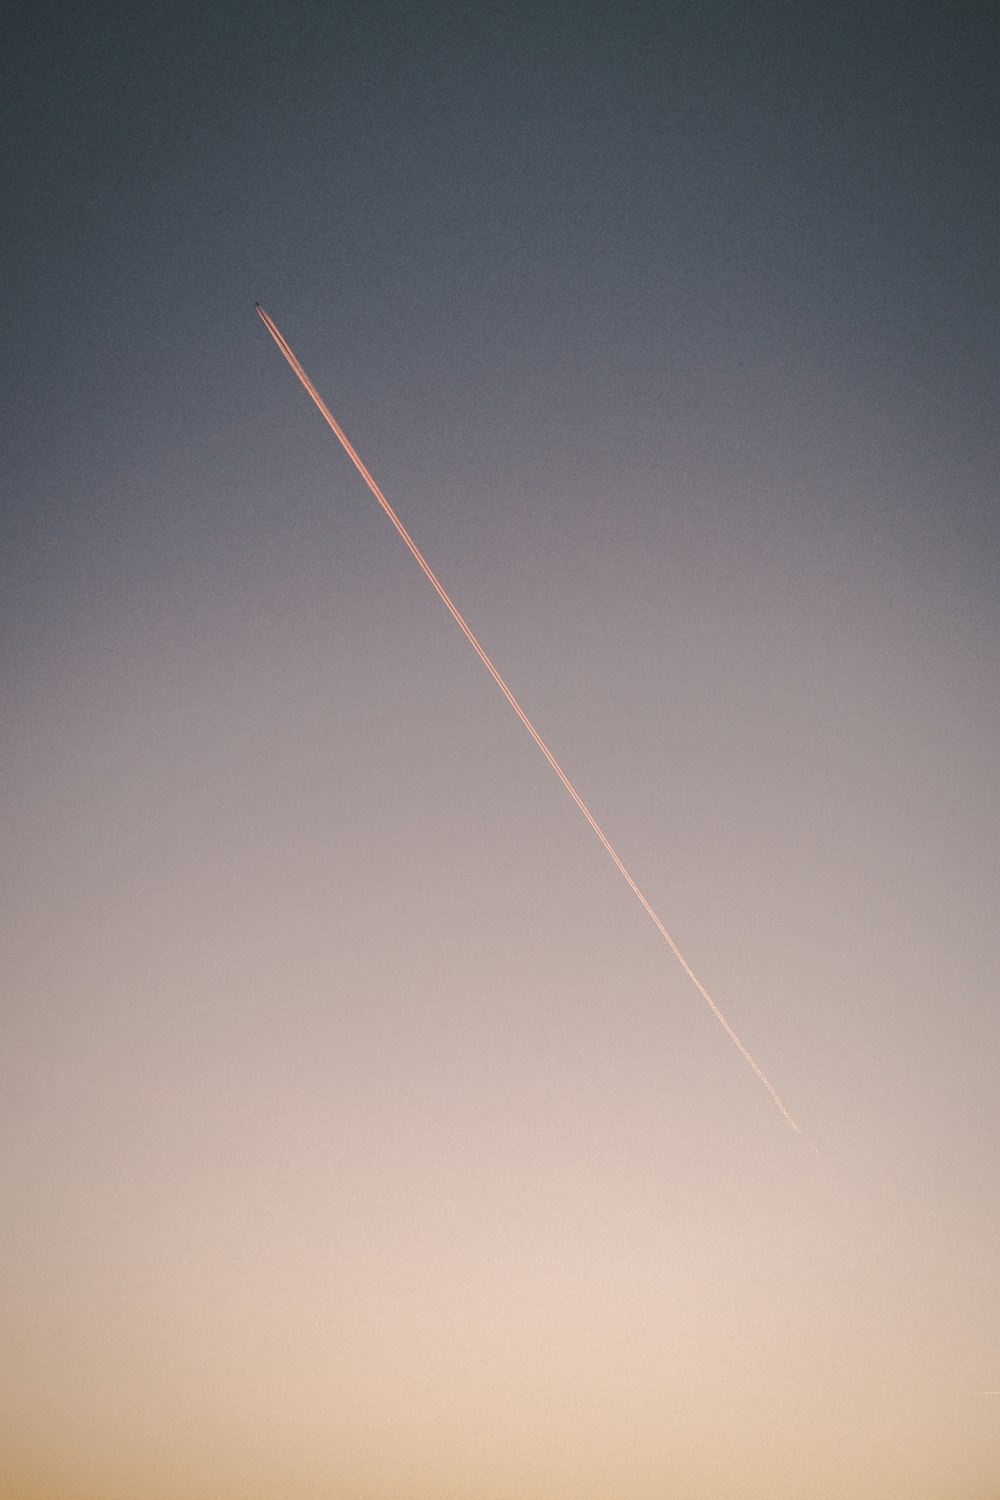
360 1136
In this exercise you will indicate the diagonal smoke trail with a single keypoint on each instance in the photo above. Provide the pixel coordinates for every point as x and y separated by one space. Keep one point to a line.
457 616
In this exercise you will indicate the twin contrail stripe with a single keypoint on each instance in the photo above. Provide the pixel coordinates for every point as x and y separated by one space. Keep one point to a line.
466 630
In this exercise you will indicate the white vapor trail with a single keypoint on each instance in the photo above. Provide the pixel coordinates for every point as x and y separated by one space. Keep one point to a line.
460 621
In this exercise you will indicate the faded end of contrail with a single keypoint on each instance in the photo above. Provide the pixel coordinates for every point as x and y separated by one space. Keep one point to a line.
480 651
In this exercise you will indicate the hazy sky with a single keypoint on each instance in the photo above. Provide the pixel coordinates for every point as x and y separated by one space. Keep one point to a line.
360 1136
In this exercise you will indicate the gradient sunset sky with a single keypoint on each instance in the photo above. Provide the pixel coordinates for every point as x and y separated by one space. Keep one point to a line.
360 1136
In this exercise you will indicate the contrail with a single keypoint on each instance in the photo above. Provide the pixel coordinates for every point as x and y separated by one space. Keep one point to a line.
480 651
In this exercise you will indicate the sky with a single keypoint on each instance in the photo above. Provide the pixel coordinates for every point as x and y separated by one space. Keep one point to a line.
361 1137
